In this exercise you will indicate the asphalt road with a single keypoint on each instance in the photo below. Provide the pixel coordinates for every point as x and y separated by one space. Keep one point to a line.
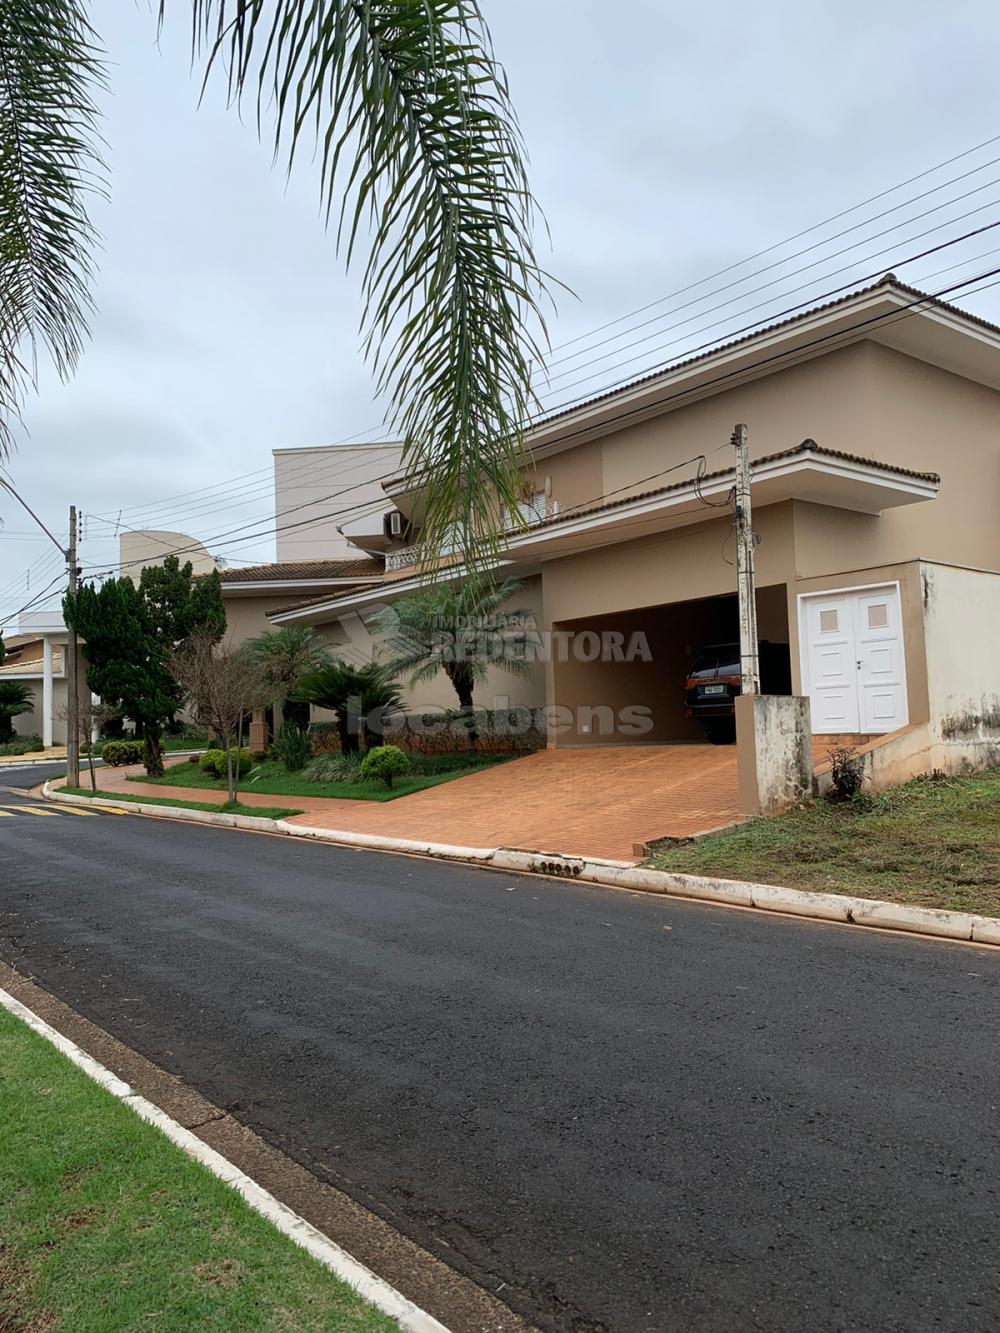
637 1114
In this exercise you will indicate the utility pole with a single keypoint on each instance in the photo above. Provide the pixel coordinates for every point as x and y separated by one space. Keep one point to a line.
745 588
73 697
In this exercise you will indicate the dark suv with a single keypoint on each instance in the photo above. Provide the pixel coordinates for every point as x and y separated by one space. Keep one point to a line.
713 683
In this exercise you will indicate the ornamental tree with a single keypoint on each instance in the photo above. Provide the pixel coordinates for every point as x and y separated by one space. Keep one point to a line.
131 634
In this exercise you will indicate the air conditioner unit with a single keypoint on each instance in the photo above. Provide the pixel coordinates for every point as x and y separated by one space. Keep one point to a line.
395 524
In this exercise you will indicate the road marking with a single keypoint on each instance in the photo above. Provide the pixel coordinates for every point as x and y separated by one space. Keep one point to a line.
5 814
86 814
32 810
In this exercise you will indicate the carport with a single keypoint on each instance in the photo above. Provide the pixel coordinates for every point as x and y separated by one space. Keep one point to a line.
618 678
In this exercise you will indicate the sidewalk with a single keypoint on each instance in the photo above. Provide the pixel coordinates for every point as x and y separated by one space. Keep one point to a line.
593 802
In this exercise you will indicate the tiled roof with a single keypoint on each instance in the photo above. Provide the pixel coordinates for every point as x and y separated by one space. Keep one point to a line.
307 570
327 601
888 280
806 447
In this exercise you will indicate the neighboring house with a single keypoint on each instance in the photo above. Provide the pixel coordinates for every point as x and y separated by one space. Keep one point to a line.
36 658
151 546
319 490
874 428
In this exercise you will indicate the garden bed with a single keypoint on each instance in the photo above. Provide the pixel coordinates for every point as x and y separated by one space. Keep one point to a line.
273 779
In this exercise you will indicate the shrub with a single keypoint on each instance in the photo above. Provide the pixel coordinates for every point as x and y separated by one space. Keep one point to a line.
384 762
334 768
291 747
847 772
118 753
214 762
22 745
209 759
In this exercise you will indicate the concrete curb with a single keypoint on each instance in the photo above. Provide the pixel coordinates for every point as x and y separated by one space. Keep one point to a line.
367 1284
836 907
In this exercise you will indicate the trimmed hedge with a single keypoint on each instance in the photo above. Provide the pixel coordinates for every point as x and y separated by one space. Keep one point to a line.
118 753
384 763
22 745
214 762
507 731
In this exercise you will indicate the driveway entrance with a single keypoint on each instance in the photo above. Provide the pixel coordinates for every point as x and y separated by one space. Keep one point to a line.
584 802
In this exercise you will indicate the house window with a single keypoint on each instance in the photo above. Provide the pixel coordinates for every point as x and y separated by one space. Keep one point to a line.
532 508
828 622
878 615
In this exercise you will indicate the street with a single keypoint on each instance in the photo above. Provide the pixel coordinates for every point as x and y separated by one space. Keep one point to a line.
626 1113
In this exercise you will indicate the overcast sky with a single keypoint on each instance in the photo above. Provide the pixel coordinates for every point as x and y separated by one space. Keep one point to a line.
667 142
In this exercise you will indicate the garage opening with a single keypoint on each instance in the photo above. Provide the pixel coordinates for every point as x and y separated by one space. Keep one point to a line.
622 678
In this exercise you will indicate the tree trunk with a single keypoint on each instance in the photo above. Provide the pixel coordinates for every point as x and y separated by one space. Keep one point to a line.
350 742
154 755
462 681
230 787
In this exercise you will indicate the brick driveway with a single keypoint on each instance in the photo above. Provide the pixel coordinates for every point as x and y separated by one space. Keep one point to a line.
593 802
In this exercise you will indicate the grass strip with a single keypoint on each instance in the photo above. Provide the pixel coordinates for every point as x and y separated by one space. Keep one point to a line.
272 779
934 842
106 1226
230 808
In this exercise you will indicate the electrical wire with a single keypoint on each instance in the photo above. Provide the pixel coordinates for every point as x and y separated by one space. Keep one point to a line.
778 296
226 486
777 245
6 619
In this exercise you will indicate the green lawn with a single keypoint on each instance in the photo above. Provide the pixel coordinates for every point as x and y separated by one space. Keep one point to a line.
106 1226
273 779
934 842
238 808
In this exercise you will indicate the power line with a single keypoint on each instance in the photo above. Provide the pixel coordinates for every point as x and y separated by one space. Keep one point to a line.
777 245
746 310
225 486
6 619
151 512
926 298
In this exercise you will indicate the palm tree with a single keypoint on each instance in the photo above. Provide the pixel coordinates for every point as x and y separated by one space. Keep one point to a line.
460 629
360 696
286 656
422 165
15 699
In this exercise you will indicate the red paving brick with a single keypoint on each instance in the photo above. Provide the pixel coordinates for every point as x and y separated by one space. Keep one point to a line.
586 802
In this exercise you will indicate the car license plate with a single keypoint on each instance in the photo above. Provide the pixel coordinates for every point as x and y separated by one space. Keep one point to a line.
714 689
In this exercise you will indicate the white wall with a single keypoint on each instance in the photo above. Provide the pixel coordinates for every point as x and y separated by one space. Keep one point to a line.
151 546
327 484
962 632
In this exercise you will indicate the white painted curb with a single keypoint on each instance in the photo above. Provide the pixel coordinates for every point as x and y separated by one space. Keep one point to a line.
847 910
367 1284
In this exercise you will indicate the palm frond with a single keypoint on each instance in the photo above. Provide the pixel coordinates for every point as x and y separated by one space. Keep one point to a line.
49 163
422 164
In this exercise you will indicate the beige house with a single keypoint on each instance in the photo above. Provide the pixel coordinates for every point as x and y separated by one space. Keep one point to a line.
875 441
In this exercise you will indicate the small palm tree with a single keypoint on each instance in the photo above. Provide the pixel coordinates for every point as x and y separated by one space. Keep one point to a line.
358 695
15 699
462 630
286 656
